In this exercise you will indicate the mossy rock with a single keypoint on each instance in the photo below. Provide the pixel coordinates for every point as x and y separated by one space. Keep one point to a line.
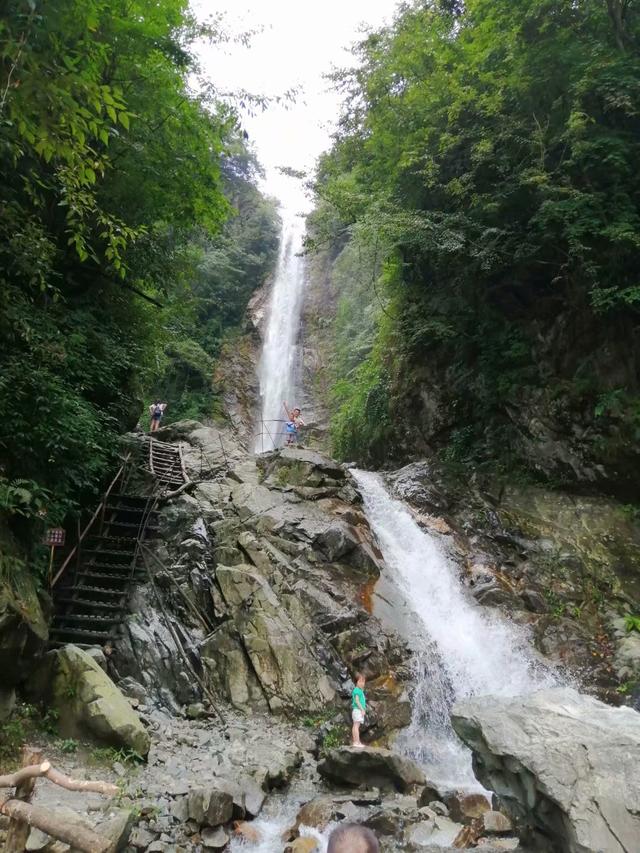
89 703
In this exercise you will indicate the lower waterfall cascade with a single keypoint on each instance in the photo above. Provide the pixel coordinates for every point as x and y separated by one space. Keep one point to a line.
465 650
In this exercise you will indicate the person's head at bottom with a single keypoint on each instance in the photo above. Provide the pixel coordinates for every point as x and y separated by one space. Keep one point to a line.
352 838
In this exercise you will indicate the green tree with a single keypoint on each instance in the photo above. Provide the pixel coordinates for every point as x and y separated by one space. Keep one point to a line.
492 150
110 163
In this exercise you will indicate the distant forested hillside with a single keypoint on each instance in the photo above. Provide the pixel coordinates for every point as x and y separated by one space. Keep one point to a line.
479 220
131 236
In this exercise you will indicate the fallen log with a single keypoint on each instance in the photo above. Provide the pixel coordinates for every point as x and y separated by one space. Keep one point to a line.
74 832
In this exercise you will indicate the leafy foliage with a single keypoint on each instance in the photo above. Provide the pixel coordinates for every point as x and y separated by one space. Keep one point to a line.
113 204
491 149
632 622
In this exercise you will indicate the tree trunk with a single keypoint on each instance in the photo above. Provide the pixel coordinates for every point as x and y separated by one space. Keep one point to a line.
617 10
18 831
72 831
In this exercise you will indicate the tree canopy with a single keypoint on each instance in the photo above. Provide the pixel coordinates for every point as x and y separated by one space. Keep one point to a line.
115 187
489 153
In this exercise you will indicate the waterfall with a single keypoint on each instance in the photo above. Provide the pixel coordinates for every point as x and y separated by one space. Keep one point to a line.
465 649
278 368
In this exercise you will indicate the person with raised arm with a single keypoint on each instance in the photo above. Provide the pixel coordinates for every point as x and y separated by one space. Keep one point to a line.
293 423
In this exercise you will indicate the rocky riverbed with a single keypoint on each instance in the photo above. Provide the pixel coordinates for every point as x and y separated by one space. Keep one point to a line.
265 592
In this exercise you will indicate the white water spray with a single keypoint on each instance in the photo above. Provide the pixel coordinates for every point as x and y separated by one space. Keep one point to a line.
466 650
278 368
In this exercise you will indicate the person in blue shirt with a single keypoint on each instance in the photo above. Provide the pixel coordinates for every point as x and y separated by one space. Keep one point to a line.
293 424
358 710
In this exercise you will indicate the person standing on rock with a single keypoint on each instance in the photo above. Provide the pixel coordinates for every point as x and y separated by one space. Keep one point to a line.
293 424
358 710
156 411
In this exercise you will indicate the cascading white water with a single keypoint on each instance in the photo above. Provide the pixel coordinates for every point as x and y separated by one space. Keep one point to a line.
466 650
278 362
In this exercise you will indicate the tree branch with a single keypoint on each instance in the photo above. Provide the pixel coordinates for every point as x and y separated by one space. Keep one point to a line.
33 771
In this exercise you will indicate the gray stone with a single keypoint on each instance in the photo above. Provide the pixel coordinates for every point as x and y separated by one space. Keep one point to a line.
210 806
195 711
214 839
117 827
141 838
379 767
562 762
419 835
466 807
281 659
131 688
495 823
439 808
37 839
96 653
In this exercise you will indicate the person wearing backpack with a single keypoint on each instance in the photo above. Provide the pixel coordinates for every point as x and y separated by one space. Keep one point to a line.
156 411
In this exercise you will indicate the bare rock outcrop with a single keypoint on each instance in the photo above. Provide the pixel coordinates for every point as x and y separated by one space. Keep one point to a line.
561 762
370 766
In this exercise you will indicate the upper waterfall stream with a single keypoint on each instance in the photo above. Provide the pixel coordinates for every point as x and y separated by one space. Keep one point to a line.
277 371
464 650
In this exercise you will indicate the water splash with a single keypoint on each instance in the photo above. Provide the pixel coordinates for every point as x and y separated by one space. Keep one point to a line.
466 650
278 369
279 814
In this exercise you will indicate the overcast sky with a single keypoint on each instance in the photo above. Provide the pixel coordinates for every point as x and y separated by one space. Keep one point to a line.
299 42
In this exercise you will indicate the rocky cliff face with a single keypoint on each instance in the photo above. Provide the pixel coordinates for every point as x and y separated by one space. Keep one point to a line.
260 573
239 649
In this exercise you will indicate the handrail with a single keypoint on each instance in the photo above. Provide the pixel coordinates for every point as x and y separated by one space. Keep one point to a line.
101 506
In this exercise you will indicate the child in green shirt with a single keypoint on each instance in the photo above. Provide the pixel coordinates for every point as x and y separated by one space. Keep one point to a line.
358 710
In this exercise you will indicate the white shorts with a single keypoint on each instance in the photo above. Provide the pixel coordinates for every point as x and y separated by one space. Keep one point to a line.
357 715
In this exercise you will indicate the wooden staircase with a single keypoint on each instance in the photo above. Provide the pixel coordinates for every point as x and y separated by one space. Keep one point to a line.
165 463
91 598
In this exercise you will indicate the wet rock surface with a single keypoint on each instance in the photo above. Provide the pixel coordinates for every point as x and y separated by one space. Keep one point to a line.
379 767
562 763
259 569
563 565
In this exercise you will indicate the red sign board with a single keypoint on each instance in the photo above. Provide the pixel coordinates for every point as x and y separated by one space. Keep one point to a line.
55 537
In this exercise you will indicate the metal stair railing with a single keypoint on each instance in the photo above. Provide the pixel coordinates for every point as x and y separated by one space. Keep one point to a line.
99 513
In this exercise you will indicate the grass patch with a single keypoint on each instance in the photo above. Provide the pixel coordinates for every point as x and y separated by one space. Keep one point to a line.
336 735
109 755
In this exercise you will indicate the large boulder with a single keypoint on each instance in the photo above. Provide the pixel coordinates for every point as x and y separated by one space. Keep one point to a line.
280 657
561 762
89 703
368 766
302 466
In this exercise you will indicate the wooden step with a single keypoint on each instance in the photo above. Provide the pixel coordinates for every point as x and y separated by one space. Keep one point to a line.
98 636
88 602
132 500
103 576
134 526
90 618
110 552
101 590
93 565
